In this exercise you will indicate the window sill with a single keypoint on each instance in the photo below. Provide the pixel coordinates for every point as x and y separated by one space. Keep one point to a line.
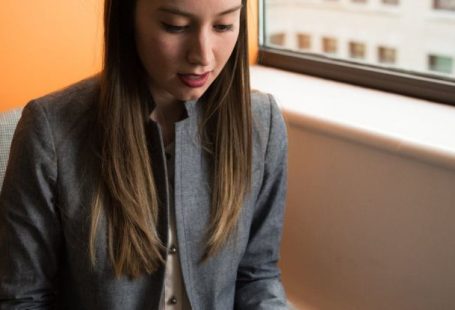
412 127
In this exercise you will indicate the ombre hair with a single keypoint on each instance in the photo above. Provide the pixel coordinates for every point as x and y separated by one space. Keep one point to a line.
127 194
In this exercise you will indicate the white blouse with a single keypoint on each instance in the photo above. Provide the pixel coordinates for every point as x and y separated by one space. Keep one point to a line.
175 296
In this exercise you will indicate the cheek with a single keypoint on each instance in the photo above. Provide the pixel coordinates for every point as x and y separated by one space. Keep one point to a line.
225 48
160 53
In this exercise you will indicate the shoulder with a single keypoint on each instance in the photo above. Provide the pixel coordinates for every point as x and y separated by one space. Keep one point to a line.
68 102
65 109
268 122
264 107
52 118
261 104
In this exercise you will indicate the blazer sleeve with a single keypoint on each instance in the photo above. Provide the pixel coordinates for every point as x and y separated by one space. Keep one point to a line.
258 278
30 236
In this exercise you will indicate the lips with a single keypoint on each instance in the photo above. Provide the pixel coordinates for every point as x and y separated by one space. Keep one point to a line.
194 80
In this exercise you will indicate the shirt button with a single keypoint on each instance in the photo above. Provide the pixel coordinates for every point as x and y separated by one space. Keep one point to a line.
173 250
173 300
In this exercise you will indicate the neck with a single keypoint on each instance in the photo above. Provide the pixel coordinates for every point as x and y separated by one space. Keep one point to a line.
166 116
167 108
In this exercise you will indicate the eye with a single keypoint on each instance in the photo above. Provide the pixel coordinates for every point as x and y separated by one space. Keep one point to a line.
173 28
223 28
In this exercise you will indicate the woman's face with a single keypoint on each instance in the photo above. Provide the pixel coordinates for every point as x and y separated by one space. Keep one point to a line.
184 44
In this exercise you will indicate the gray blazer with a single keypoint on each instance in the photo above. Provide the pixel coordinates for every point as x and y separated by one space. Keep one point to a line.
44 214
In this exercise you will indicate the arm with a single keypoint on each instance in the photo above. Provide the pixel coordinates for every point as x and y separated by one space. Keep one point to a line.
258 278
29 224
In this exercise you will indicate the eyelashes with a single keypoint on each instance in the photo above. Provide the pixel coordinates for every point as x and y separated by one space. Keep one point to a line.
182 29
223 28
174 29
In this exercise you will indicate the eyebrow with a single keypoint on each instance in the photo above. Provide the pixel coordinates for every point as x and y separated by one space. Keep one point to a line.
176 11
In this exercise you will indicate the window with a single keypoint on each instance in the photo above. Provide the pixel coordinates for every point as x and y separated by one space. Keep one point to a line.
401 51
390 2
386 55
303 41
441 64
444 5
329 45
357 50
277 39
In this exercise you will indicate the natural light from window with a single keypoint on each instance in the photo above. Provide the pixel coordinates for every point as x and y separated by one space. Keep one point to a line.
416 36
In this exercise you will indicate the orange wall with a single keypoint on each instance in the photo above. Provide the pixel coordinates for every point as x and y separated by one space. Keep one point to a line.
48 44
253 30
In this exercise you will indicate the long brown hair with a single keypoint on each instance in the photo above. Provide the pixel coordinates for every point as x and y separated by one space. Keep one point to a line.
127 194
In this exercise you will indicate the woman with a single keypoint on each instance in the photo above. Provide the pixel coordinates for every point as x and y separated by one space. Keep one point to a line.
158 184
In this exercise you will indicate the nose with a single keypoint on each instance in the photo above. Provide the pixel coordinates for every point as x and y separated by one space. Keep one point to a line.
200 50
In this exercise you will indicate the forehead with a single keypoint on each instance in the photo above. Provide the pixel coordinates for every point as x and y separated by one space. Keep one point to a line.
198 8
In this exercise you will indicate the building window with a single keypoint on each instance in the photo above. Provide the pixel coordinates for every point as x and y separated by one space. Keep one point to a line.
444 5
329 45
390 2
387 55
357 50
441 64
277 39
303 41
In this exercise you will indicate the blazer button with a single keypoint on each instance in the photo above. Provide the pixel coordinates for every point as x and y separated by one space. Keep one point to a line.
173 300
173 250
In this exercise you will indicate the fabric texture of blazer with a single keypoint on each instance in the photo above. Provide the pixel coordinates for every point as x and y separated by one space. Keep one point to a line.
45 215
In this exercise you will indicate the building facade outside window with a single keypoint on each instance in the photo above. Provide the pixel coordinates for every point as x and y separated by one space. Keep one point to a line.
402 46
367 34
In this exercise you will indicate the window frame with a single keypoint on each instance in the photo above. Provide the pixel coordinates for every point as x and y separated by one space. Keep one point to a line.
418 85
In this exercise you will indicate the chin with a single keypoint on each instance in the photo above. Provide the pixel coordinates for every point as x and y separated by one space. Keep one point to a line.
195 95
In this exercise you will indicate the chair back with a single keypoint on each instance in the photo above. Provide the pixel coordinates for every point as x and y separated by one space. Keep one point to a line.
8 123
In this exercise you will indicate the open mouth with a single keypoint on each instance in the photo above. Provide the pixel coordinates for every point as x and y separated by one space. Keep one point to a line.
194 80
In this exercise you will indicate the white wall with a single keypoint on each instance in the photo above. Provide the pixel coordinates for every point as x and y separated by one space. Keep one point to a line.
370 219
366 228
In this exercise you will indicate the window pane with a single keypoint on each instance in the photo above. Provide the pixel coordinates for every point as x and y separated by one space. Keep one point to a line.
407 35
